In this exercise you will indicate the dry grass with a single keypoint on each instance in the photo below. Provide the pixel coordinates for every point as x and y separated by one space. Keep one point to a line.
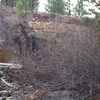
68 51
70 56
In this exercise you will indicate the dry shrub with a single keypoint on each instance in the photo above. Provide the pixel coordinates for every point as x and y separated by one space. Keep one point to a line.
4 56
72 57
74 54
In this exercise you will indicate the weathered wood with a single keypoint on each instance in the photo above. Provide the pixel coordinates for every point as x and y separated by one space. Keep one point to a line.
10 65
11 85
6 83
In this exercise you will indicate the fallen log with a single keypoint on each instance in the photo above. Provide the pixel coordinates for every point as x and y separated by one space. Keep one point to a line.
10 65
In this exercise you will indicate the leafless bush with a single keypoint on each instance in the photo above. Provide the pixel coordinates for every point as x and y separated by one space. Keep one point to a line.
68 60
76 55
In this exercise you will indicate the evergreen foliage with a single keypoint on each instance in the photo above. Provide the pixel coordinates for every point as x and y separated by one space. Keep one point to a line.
56 6
8 2
22 5
79 8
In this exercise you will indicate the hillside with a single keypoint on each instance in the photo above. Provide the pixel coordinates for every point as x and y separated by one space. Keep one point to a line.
60 57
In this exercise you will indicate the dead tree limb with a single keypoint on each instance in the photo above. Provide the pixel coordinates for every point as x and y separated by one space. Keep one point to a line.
10 65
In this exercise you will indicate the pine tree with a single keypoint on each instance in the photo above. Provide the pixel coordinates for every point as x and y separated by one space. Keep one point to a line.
8 2
19 6
56 6
68 6
33 4
79 8
96 13
24 5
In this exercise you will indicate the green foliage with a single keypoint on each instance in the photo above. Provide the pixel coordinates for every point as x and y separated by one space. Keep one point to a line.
97 14
97 26
68 6
98 41
79 8
19 6
86 21
22 5
56 6
33 4
8 2
27 5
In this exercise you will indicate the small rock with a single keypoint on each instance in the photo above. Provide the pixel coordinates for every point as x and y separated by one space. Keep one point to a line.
5 93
